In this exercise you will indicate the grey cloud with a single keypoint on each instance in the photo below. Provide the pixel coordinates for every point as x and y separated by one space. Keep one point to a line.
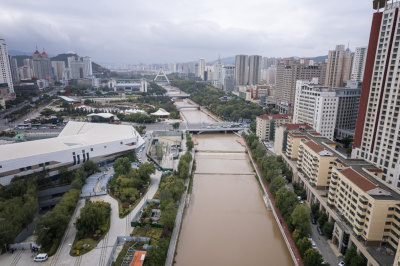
165 31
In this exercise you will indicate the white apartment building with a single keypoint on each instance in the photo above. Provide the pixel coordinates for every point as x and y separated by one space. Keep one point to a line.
6 83
266 124
77 143
316 106
357 70
201 68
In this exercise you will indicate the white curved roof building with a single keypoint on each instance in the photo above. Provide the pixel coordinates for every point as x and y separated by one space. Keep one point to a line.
77 143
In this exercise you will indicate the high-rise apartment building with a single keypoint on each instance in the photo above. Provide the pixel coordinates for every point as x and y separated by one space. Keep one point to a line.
241 70
349 100
255 62
229 78
377 136
58 69
6 83
316 106
201 68
87 66
357 70
14 70
41 65
288 71
338 67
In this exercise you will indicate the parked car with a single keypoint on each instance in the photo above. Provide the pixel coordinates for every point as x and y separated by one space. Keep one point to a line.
41 257
342 263
313 245
319 230
313 220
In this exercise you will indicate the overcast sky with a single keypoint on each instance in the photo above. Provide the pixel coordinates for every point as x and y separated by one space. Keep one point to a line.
154 31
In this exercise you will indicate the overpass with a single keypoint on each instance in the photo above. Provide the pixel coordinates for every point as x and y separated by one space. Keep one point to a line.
180 95
213 127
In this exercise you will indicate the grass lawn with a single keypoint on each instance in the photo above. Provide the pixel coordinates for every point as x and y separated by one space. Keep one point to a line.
147 231
125 211
83 246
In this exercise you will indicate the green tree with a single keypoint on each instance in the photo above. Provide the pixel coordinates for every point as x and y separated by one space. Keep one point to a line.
145 170
183 169
90 167
323 218
301 218
285 201
92 216
122 166
328 229
168 216
276 184
312 258
157 253
351 258
303 244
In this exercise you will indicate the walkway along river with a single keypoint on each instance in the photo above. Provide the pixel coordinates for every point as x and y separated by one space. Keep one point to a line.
227 222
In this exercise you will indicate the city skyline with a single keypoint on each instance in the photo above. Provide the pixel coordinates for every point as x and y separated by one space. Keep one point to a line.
160 33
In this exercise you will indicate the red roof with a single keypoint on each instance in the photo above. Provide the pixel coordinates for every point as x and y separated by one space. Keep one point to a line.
296 126
314 146
36 52
138 258
44 53
276 116
359 180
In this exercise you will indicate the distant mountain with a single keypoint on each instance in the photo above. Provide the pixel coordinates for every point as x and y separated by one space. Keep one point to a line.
226 60
321 58
62 57
17 53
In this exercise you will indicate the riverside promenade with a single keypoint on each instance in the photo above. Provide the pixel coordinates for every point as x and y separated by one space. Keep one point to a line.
277 214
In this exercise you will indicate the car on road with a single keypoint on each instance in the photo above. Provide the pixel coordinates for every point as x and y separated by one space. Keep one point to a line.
313 220
342 263
41 257
313 245
319 230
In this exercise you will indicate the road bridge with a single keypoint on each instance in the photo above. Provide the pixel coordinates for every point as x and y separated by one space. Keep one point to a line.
214 127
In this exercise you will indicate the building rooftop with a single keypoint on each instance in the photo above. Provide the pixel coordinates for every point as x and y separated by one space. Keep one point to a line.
314 146
276 116
363 169
138 258
74 135
296 126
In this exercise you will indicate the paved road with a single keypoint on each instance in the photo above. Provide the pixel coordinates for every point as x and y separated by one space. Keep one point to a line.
99 255
323 247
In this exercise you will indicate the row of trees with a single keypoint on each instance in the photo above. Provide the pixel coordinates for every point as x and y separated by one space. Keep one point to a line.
297 216
18 205
207 95
156 89
50 227
171 189
129 184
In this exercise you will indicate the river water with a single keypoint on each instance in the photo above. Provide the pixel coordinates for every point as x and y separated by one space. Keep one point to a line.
226 222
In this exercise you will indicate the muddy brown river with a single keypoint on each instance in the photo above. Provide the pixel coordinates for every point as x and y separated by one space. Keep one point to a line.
227 222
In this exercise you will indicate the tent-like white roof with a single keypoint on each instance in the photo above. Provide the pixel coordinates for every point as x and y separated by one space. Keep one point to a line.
104 115
69 99
160 112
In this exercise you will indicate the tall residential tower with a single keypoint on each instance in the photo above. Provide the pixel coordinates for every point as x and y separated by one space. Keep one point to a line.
377 136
